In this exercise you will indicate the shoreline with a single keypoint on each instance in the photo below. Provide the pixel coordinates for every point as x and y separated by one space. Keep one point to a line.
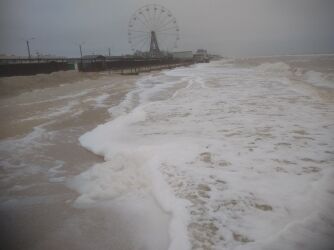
16 85
43 127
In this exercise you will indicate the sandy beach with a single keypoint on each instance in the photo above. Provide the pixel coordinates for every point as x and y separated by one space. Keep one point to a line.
223 155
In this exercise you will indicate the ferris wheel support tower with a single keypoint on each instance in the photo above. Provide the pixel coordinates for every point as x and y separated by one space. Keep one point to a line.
154 47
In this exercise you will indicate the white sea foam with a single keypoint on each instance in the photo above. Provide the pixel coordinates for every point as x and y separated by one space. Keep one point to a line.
34 138
58 98
319 79
274 67
147 88
99 100
238 158
54 112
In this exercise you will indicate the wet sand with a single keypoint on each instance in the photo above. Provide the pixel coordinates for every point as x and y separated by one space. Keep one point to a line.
42 118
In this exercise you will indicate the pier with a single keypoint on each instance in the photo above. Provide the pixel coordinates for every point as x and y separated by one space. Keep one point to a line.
122 65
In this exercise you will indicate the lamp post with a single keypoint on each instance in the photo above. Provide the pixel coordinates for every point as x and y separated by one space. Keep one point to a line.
28 47
38 55
80 47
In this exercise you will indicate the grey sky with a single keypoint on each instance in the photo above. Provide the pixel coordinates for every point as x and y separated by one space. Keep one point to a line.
228 27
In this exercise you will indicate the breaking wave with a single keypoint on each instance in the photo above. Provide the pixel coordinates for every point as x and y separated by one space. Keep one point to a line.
278 68
237 157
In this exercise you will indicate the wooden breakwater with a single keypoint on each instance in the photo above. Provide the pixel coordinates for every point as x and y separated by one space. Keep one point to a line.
33 68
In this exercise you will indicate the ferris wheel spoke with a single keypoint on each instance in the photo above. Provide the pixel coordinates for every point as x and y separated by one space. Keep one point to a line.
143 45
140 31
166 34
148 10
153 20
168 28
144 25
139 36
138 41
159 18
163 20
166 24
155 15
161 42
152 15
135 32
142 20
146 20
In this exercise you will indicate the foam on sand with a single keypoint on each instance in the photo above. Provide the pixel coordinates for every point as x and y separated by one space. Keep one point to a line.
274 68
130 170
319 79
238 157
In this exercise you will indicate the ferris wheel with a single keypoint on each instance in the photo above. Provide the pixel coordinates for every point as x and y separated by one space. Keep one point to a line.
153 29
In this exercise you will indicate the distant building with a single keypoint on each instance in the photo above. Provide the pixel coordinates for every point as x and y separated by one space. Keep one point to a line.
184 55
201 55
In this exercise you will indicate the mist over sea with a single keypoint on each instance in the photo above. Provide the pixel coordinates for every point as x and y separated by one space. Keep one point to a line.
232 154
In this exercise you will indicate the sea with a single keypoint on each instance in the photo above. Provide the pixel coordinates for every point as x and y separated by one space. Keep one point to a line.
236 154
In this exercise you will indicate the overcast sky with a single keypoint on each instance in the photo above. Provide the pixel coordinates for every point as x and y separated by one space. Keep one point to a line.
228 27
